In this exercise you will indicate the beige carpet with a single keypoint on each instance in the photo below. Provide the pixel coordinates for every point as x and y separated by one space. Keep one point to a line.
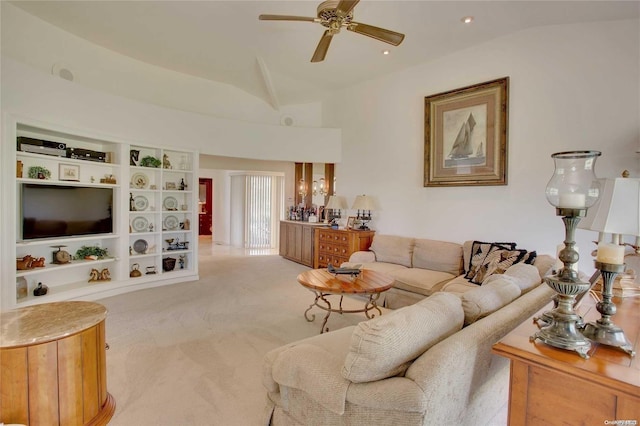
191 353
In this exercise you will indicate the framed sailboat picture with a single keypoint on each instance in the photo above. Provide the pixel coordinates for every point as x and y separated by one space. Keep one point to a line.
465 135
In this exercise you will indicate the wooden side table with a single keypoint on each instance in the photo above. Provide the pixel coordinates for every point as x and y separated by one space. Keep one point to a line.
323 283
550 386
53 363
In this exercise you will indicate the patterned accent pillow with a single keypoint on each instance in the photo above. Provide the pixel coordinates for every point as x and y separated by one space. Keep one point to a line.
479 251
497 261
529 258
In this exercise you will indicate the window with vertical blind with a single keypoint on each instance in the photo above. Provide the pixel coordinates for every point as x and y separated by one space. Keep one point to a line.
264 206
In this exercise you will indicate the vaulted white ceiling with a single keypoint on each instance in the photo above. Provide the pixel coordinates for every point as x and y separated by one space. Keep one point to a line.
224 41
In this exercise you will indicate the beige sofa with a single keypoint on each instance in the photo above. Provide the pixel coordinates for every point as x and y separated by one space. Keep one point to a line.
429 363
421 267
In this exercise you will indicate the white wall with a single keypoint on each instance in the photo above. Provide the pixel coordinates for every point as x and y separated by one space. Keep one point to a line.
35 42
28 92
572 87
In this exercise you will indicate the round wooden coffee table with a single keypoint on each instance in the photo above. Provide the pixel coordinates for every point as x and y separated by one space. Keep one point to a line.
323 283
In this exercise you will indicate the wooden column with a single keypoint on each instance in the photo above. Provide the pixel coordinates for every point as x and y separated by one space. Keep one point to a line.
328 178
308 178
297 177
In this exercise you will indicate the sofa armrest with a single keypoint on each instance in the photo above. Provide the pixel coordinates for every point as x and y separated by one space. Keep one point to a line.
362 257
393 393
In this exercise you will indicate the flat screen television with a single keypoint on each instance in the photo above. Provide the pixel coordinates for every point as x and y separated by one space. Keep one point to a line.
54 211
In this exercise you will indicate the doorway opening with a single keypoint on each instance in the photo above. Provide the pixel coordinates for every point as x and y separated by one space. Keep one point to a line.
205 206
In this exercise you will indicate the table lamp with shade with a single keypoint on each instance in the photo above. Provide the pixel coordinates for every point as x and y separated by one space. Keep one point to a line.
363 205
617 212
335 205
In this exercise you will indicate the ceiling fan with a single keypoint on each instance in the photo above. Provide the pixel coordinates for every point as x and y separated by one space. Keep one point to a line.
336 14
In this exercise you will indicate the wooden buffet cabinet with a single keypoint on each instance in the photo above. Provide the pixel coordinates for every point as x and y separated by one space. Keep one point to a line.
552 386
297 241
53 363
335 246
316 245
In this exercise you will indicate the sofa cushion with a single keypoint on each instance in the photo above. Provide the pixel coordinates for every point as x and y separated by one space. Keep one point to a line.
392 249
479 251
384 346
497 261
527 277
421 281
438 256
458 285
488 298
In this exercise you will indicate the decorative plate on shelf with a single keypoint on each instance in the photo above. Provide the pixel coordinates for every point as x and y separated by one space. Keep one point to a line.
140 224
171 223
140 202
140 246
139 180
170 203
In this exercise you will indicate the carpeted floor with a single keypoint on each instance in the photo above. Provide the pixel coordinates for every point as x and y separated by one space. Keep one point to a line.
191 353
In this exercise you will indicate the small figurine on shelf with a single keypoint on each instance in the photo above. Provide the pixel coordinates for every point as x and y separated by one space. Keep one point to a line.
40 290
134 154
166 164
187 224
181 261
151 227
105 275
38 263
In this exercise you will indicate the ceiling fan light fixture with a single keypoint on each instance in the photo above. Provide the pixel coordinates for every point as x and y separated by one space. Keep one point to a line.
467 19
335 15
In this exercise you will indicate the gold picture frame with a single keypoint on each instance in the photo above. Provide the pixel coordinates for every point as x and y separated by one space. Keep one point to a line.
466 135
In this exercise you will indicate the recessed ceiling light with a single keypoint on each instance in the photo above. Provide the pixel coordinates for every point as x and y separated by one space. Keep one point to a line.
385 52
467 19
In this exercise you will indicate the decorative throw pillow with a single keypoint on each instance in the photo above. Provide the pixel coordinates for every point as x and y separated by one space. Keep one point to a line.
497 261
385 346
529 258
479 251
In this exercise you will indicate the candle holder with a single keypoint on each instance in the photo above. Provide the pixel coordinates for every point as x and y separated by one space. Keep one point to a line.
559 327
573 188
604 330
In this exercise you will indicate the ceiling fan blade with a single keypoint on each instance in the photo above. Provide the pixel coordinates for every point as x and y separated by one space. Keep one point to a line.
285 18
323 46
381 34
346 6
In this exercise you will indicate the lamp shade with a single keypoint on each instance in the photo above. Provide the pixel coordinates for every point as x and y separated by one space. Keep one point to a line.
362 202
336 202
617 210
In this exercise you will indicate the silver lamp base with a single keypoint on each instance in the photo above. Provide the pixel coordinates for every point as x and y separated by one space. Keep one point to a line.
562 329
608 334
603 330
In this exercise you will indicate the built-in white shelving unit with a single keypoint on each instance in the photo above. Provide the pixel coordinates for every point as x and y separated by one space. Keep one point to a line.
150 225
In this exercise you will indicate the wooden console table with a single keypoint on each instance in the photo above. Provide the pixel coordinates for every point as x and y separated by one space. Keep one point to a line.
53 363
552 386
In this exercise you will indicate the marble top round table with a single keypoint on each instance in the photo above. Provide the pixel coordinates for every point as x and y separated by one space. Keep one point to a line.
46 322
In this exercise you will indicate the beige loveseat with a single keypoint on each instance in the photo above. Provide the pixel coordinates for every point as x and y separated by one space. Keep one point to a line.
421 267
429 363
